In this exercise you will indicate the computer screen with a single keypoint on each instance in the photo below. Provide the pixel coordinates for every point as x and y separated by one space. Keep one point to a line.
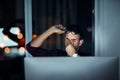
69 68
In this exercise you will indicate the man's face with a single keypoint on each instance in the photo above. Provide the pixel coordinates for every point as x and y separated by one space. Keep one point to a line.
73 39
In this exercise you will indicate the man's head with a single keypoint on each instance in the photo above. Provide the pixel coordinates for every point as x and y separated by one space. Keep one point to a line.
73 36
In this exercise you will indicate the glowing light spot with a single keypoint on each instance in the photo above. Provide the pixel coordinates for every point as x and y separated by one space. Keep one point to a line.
20 36
22 50
34 36
14 50
7 50
17 31
22 41
6 37
2 45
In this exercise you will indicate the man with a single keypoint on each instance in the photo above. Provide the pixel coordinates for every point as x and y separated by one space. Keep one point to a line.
73 40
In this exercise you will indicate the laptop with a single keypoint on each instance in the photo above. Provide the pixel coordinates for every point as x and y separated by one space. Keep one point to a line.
69 68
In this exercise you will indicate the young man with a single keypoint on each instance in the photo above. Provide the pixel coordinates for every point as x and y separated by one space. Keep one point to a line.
73 41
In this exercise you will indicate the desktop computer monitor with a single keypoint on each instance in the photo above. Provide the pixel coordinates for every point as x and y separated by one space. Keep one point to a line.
69 68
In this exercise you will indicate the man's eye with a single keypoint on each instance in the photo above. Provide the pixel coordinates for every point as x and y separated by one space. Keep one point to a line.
73 40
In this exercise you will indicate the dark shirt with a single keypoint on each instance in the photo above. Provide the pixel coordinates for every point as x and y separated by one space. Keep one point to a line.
38 51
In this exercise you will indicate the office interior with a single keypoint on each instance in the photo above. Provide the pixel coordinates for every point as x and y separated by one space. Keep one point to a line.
27 19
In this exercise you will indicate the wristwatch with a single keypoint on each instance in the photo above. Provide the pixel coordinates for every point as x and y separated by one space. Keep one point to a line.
75 55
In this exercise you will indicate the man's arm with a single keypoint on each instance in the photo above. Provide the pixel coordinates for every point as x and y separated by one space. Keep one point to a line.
58 29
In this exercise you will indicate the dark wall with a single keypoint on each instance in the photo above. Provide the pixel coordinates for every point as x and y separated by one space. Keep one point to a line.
77 12
7 11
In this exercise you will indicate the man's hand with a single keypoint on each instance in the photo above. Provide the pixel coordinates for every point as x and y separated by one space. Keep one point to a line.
58 29
70 49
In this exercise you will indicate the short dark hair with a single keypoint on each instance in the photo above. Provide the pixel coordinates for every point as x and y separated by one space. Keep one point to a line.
74 28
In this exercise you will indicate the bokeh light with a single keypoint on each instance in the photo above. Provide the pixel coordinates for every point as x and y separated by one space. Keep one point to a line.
22 41
6 37
2 45
14 50
34 36
20 36
7 50
17 31
22 50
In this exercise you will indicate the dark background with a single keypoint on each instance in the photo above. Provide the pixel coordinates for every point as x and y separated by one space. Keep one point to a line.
46 13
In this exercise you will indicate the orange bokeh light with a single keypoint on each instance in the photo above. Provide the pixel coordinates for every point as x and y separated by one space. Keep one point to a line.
7 50
34 36
20 36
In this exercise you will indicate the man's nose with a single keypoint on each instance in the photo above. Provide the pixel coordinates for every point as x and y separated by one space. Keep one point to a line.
71 42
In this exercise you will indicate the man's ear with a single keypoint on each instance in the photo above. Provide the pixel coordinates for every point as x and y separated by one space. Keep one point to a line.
81 42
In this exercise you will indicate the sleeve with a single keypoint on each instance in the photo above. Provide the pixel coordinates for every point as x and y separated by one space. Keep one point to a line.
38 51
